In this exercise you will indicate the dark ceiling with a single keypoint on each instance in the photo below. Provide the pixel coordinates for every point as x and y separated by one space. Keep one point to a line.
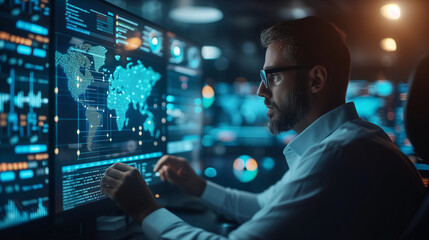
237 33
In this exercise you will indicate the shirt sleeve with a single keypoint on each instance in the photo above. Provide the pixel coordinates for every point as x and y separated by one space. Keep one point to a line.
296 207
286 215
236 204
162 224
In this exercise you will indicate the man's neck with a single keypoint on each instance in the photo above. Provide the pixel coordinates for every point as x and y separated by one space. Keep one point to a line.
313 115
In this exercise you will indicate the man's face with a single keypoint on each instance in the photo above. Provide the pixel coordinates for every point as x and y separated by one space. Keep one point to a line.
286 98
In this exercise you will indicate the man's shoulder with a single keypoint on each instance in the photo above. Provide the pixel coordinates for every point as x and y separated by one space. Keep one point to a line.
355 139
354 133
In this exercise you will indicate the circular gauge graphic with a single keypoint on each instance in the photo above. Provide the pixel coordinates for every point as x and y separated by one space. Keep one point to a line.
155 42
176 49
245 168
194 57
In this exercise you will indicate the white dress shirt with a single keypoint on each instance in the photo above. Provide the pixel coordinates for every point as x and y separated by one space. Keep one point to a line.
346 180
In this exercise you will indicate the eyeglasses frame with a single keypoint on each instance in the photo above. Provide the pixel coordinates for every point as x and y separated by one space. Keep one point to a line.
264 73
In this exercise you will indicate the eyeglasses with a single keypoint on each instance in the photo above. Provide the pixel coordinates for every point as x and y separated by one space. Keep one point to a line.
264 73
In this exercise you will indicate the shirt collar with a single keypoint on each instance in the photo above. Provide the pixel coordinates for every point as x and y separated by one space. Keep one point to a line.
322 127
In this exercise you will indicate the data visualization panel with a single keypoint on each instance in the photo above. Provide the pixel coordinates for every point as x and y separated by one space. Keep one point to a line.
184 99
24 174
109 97
402 140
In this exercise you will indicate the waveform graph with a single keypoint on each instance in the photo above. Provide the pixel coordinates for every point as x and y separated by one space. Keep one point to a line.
14 211
23 106
34 100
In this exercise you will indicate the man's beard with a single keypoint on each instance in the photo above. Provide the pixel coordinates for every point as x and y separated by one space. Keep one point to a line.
291 112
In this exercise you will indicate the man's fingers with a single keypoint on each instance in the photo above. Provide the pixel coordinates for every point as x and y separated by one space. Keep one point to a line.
161 162
121 167
161 174
171 176
114 173
108 182
167 160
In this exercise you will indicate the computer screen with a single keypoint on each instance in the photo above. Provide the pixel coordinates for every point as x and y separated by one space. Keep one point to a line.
184 99
375 103
24 111
110 101
402 140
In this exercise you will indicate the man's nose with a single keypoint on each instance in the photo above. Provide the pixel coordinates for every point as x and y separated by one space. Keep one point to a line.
263 91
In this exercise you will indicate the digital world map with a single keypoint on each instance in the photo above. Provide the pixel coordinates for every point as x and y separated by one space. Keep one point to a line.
129 86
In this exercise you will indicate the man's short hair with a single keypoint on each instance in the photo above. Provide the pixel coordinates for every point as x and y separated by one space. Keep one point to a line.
313 41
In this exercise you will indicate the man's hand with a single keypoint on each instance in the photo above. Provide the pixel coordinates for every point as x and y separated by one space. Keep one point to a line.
126 186
178 171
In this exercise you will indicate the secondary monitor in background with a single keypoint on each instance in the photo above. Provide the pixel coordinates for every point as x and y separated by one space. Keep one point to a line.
24 80
109 97
184 99
375 102
402 140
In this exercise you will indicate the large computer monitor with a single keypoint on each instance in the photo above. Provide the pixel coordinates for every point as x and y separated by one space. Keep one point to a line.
110 99
24 111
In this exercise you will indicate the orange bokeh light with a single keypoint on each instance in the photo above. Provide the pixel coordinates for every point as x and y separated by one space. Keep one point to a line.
208 91
133 43
251 164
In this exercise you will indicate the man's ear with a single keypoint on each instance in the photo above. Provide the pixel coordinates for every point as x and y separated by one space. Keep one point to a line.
318 78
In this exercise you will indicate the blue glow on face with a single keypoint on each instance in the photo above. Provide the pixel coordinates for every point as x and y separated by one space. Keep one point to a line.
210 172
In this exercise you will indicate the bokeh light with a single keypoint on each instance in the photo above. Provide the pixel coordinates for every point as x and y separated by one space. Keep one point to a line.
391 11
388 44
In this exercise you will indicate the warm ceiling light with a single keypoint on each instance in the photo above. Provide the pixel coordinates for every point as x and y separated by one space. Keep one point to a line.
388 44
194 14
391 11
